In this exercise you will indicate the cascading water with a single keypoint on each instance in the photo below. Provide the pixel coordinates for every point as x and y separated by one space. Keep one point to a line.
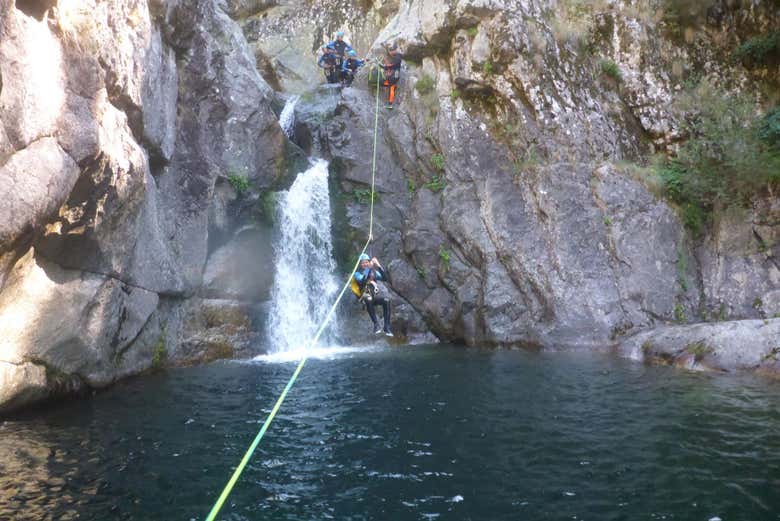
287 117
304 285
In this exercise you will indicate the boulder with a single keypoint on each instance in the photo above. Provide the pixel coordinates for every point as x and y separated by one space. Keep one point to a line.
744 345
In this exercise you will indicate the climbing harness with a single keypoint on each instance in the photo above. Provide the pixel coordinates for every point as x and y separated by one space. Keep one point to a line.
248 455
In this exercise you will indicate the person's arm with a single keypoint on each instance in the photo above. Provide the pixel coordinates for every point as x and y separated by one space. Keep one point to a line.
344 67
322 59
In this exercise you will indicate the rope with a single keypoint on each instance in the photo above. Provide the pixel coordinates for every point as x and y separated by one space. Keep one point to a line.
248 455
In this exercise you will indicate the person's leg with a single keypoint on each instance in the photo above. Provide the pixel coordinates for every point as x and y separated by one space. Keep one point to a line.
391 96
372 314
385 313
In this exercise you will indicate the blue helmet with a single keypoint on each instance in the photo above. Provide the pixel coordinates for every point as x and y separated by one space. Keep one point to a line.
352 53
340 34
363 257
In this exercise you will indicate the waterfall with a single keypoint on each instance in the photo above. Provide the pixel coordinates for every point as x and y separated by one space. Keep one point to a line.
304 285
287 117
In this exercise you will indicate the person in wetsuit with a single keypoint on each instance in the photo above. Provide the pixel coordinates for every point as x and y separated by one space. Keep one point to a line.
350 67
371 277
329 63
341 49
392 68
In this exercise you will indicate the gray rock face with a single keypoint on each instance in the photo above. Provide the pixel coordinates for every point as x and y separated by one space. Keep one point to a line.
118 120
746 345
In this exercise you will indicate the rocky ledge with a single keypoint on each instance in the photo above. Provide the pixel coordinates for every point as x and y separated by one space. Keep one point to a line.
739 345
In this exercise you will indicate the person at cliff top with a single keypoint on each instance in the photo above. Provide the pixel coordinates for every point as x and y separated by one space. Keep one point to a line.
370 278
328 62
339 45
350 67
392 68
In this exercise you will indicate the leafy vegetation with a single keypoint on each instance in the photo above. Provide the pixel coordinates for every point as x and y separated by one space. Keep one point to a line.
240 183
679 313
411 186
488 68
425 84
760 50
611 70
437 161
444 255
472 31
421 272
699 350
363 196
607 220
436 184
160 353
730 154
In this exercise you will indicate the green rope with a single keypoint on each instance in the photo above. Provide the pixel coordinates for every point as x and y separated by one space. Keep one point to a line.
248 455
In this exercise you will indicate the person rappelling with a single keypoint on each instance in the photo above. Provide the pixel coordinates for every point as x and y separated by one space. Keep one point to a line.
369 284
350 67
329 63
392 69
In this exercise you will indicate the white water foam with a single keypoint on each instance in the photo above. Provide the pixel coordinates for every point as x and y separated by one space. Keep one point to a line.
319 353
304 286
287 117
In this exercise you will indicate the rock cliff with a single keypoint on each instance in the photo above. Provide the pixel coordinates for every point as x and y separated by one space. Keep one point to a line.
139 147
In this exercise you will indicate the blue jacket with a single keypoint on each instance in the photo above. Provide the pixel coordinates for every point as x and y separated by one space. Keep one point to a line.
327 60
341 47
362 276
352 64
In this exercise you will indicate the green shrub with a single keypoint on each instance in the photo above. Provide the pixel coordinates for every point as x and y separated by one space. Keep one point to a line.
769 129
760 50
472 31
425 84
611 69
363 196
727 158
239 183
699 350
436 184
160 353
607 221
411 186
487 68
421 272
679 313
437 160
444 255
455 94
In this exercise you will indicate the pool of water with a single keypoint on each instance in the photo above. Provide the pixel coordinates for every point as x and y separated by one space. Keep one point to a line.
421 433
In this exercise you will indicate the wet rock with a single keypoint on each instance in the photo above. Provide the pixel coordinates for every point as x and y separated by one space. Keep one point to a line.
243 268
746 345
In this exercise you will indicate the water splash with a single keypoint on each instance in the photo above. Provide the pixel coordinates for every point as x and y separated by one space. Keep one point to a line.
319 353
304 285
287 117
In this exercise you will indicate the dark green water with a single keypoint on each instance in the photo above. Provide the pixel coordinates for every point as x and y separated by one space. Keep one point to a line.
407 434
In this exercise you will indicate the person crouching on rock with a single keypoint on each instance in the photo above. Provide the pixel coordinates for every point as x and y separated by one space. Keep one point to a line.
350 67
328 62
392 68
370 277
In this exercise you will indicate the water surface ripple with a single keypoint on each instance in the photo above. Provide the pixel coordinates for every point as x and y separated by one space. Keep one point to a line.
433 433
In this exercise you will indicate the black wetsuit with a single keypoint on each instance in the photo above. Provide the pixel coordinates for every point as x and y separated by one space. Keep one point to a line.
330 63
378 274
